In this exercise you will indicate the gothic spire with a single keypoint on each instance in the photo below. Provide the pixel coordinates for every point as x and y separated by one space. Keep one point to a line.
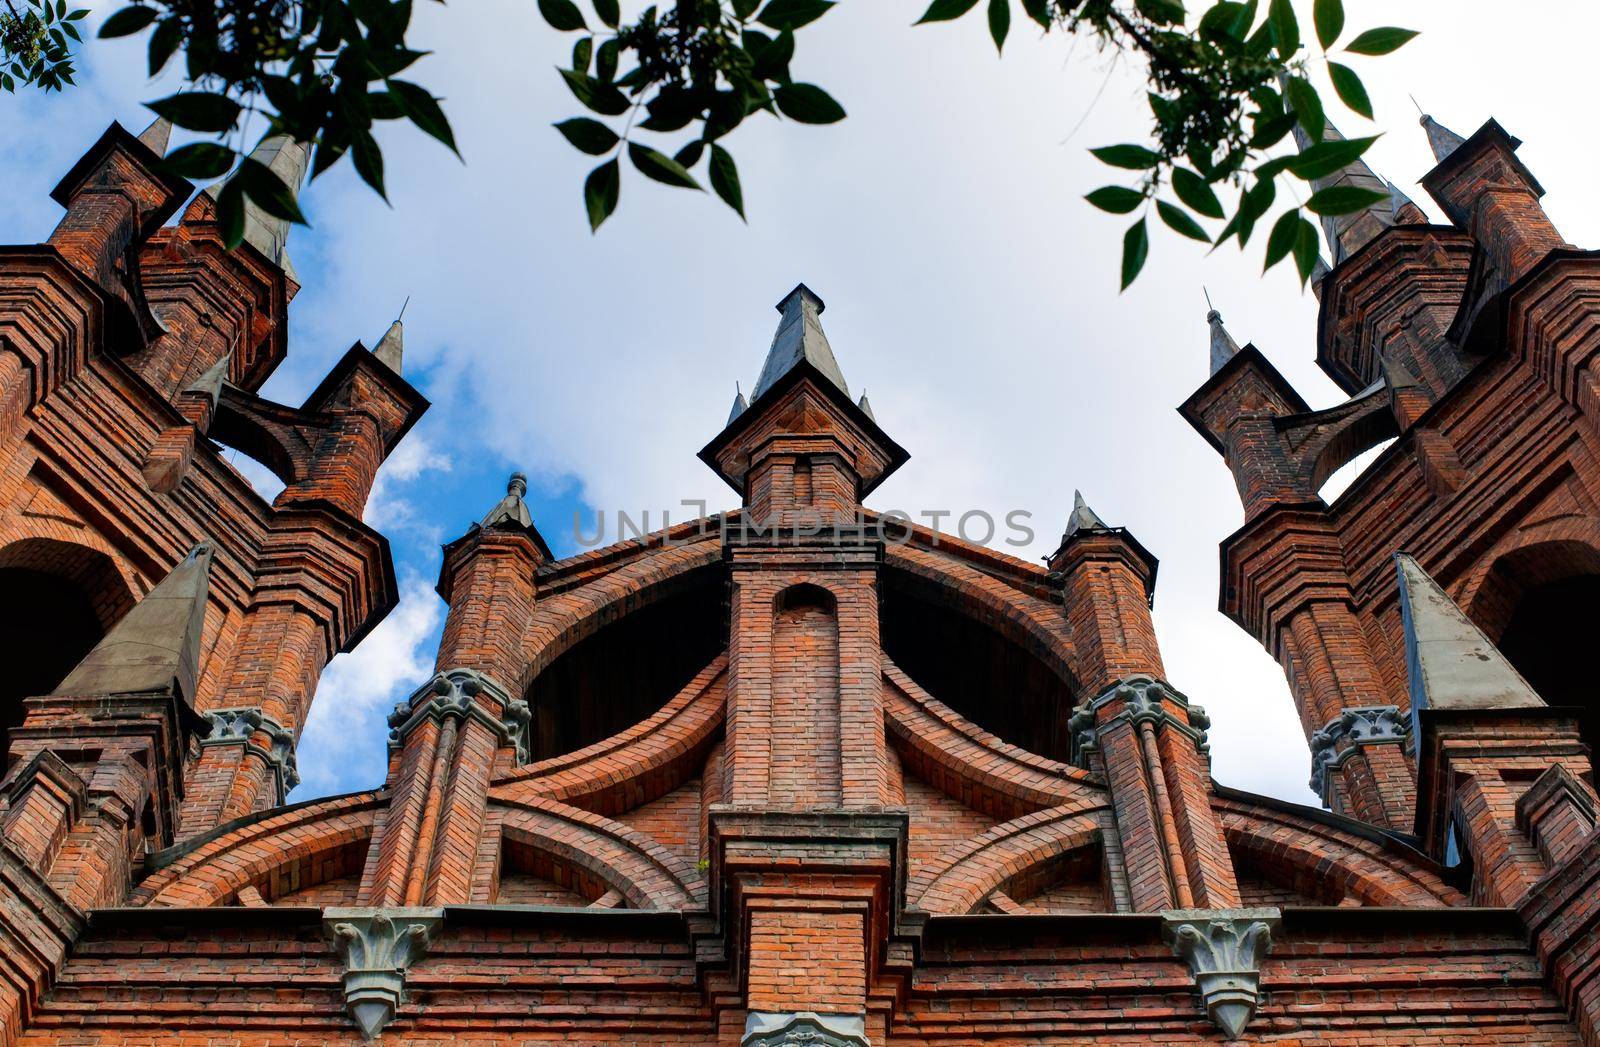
799 337
739 404
1348 233
288 160
391 347
511 511
1083 518
157 135
156 646
1450 662
1441 139
1223 347
866 406
210 383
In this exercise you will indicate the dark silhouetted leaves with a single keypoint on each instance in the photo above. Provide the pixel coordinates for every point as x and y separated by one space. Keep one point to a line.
1350 89
1178 220
725 179
1116 199
199 111
792 14
422 109
1131 157
588 135
660 167
201 161
596 95
999 22
946 10
128 21
600 192
1343 199
563 15
1329 18
1324 158
1380 41
1135 248
807 103
1194 192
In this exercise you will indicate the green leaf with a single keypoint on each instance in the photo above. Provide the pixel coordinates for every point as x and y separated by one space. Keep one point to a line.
267 191
364 153
1326 157
725 179
792 14
609 12
999 22
1380 41
1270 132
1162 12
127 21
807 104
605 64
1039 11
1130 157
1285 27
1116 199
1252 205
1350 89
563 15
946 10
1344 199
743 9
1135 248
1306 247
660 167
599 97
1281 240
1193 190
199 160
164 43
1307 107
198 111
1329 18
231 214
600 192
590 136
1226 19
582 54
422 109
1178 221
690 154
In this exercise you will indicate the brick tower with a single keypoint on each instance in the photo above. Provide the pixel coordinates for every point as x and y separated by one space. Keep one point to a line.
798 773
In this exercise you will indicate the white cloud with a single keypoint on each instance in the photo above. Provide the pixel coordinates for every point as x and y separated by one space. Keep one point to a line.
389 509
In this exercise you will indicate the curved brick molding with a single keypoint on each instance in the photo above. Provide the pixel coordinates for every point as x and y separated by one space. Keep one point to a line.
764 1029
1145 700
377 947
1335 741
1224 948
239 726
453 693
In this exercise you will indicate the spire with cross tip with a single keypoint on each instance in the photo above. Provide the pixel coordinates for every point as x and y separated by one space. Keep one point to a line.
1223 347
1441 139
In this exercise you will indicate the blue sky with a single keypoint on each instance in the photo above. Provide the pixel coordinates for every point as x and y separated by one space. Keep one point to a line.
970 292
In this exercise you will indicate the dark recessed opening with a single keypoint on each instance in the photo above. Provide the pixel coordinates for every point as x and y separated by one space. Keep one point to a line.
47 626
1550 640
627 670
992 681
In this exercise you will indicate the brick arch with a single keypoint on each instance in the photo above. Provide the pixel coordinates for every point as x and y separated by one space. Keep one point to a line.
93 571
213 869
1349 863
1004 852
1552 552
647 875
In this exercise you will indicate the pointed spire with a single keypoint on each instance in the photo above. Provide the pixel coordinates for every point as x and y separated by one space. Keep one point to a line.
866 406
1450 662
156 646
1083 518
1348 233
1395 375
157 135
799 337
391 347
210 383
511 511
1441 139
1223 347
739 403
288 160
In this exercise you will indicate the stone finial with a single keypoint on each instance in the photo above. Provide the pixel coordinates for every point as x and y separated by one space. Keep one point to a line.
157 135
454 693
799 338
1082 518
392 346
740 404
1224 949
239 726
1223 347
156 646
1334 741
1450 662
808 1028
866 406
1143 699
378 946
210 383
1441 139
511 511
289 160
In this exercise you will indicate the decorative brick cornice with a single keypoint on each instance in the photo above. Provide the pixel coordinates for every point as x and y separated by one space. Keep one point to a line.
454 693
239 726
1144 699
766 1029
1224 949
1335 741
377 946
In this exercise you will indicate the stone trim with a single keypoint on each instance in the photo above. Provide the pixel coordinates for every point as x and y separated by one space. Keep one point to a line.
1356 726
237 726
453 693
1146 700
1224 949
807 1028
378 946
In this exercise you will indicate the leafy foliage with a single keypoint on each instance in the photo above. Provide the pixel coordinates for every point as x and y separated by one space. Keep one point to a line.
1226 86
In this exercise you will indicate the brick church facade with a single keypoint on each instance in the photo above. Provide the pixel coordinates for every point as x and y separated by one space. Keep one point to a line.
797 773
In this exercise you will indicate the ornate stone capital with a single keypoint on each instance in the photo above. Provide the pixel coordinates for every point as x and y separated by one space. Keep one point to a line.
1224 949
1333 743
1137 699
239 726
768 1029
454 693
377 946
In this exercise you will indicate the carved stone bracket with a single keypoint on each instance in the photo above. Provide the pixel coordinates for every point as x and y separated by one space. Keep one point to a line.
454 693
239 726
1333 743
378 946
1144 699
1224 949
767 1029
